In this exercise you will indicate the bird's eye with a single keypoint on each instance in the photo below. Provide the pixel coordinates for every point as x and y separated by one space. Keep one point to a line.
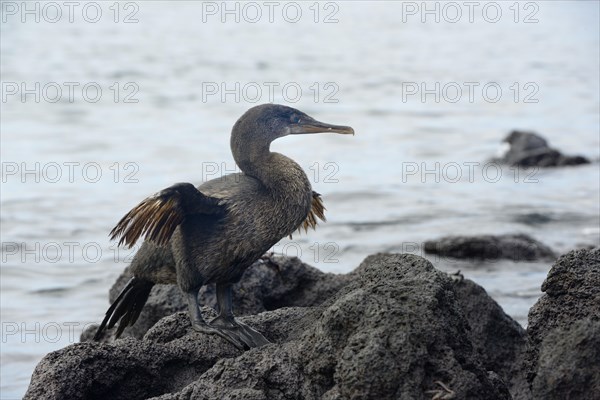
295 119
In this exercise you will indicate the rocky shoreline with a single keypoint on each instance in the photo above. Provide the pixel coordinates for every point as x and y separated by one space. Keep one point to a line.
394 328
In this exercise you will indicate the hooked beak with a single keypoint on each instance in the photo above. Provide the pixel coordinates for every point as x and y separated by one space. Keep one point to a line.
314 126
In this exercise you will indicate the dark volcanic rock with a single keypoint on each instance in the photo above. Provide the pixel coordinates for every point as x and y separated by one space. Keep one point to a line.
563 329
279 282
568 365
394 332
528 149
136 369
516 247
497 338
267 285
396 329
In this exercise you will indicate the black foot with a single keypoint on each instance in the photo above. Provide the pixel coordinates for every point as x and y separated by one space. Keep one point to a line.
234 340
238 333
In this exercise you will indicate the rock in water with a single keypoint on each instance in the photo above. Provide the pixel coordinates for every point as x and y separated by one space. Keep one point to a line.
528 149
516 247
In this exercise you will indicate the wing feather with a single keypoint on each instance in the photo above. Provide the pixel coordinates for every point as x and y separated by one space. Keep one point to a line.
157 216
317 210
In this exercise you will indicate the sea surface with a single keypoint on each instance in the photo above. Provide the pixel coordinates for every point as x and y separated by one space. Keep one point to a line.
111 102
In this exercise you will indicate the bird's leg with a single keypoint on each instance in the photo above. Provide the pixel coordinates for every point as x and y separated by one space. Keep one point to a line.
200 325
227 323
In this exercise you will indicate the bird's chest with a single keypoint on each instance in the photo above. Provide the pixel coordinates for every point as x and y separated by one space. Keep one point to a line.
263 212
292 212
277 215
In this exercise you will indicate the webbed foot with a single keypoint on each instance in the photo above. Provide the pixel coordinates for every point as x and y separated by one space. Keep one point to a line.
231 338
224 325
236 332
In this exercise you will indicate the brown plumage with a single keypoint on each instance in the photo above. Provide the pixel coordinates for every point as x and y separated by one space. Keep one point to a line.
212 233
317 210
157 217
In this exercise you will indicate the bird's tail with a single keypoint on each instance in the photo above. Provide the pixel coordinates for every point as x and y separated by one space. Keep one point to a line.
126 308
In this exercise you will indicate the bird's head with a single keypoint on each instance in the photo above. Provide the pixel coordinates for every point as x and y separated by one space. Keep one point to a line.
253 133
267 122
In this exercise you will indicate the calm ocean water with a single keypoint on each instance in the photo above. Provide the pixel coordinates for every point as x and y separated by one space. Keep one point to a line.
129 98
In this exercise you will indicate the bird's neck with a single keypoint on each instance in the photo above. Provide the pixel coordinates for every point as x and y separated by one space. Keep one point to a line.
281 175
